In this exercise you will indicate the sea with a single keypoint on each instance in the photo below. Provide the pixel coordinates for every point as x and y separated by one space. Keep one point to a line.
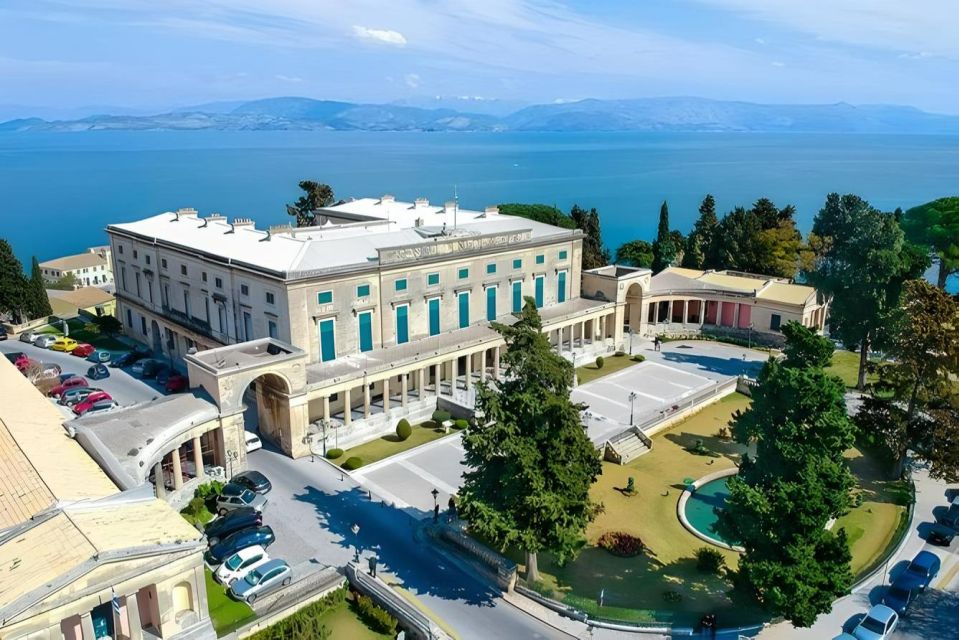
58 191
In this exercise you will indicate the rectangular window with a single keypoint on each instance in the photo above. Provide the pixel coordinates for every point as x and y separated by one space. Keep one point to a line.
563 254
561 287
539 292
517 296
366 331
203 276
327 340
182 269
491 267
491 303
143 325
186 302
363 291
163 263
324 297
464 306
147 257
517 263
540 259
120 249
400 284
136 275
774 321
206 309
123 278
271 328
244 290
463 273
129 319
247 325
221 318
270 298
218 282
434 314
150 289
135 254
402 324
432 279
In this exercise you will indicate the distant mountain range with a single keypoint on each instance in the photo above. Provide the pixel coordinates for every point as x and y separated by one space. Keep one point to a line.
647 114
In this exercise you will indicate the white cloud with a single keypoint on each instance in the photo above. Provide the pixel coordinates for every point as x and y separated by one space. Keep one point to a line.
760 41
382 35
293 79
778 64
412 80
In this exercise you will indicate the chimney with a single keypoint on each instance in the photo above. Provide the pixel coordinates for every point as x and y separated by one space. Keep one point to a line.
243 223
422 203
491 209
280 228
186 212
449 206
386 199
215 217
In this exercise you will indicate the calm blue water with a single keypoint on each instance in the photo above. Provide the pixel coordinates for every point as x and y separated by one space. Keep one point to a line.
702 508
58 191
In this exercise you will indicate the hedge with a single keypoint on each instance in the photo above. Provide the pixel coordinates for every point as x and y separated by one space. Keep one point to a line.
461 423
354 462
375 617
305 623
403 429
333 454
440 416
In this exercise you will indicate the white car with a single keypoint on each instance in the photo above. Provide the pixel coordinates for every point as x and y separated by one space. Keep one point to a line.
252 442
879 623
237 565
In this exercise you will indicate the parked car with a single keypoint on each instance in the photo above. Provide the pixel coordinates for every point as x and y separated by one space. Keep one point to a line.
126 359
236 495
236 520
922 570
75 381
899 596
266 578
51 370
253 480
28 336
101 406
147 368
262 536
63 377
77 394
177 383
941 535
252 441
879 623
163 374
64 344
44 340
98 372
240 563
101 355
83 350
3 333
951 517
83 407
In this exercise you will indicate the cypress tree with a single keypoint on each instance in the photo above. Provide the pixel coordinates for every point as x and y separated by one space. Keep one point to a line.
39 303
14 295
664 251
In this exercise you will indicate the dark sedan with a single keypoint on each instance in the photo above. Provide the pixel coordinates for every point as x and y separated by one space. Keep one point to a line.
236 520
225 548
98 372
253 480
941 535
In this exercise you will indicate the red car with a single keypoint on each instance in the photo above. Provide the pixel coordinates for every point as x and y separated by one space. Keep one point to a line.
82 407
76 381
177 383
83 350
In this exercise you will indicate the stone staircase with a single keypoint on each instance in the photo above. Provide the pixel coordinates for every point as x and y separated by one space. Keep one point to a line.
625 447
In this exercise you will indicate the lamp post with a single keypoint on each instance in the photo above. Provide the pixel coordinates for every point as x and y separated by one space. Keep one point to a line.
231 457
630 341
356 542
632 398
436 504
750 336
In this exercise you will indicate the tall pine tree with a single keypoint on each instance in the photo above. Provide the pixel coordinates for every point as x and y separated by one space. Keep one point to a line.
594 254
39 303
700 241
664 251
14 289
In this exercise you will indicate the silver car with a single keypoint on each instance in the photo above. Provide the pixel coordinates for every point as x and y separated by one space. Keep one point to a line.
235 496
29 336
45 340
266 578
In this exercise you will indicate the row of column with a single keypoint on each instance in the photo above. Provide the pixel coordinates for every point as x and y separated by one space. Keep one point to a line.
176 468
557 337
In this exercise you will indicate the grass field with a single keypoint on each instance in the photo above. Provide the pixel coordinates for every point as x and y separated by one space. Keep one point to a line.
390 445
227 614
845 364
79 333
611 364
344 623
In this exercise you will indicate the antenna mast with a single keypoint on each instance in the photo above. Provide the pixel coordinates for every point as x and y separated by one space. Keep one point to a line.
456 205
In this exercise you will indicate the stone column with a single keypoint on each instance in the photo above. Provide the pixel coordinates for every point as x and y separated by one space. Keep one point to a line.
386 395
482 367
669 312
454 375
177 471
420 383
326 407
86 626
404 383
158 480
685 311
347 409
366 398
469 371
702 312
438 377
198 458
496 363
133 617
582 334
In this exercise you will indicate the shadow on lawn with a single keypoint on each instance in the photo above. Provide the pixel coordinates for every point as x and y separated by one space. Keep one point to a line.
728 448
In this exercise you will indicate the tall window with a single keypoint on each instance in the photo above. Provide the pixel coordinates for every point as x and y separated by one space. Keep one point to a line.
221 318
402 324
365 320
247 325
327 340
491 303
561 287
129 319
539 291
517 296
775 321
433 305
206 308
464 305
186 302
136 275
272 329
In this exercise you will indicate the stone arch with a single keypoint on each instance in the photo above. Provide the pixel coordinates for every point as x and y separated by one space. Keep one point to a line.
184 610
634 307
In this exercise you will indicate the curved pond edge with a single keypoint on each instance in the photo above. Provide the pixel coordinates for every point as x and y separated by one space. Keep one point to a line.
681 508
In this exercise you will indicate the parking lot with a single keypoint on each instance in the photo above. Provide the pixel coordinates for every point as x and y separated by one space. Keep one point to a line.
125 388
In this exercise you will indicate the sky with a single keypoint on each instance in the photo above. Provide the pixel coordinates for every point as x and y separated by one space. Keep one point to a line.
145 55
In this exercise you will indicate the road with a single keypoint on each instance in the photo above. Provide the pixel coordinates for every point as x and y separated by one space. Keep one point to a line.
313 507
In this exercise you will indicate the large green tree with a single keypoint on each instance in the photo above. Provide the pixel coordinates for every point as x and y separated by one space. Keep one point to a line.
919 409
936 225
39 303
316 196
861 262
594 254
664 249
545 213
15 299
784 495
805 348
635 253
762 239
701 237
531 464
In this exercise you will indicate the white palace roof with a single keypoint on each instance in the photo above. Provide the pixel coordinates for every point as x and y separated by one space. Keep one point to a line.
351 237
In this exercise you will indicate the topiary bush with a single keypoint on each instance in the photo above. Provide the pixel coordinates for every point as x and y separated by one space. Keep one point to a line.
403 429
353 462
709 560
619 354
375 617
208 490
333 454
620 543
639 358
461 423
440 416
600 361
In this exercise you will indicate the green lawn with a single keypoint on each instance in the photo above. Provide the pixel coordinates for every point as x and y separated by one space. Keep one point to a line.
845 364
390 445
79 333
611 364
343 622
227 614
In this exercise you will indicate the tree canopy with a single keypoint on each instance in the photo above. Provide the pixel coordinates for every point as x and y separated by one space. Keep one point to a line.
635 253
316 196
39 303
936 225
544 213
805 348
15 298
762 239
532 464
664 248
594 254
702 236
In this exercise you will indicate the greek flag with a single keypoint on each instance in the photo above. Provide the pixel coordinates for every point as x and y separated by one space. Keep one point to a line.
116 603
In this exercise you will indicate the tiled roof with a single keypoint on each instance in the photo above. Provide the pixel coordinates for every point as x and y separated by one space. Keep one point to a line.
78 261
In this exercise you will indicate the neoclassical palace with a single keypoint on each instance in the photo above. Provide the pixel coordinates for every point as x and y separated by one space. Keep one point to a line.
379 312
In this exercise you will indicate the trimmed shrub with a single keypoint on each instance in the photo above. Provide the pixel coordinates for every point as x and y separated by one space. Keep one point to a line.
305 623
208 490
600 361
619 354
639 358
333 454
375 617
620 543
440 416
403 429
353 462
709 560
671 595
461 423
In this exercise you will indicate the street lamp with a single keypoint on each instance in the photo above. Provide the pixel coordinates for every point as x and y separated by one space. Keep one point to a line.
436 504
356 542
231 457
632 398
630 341
750 334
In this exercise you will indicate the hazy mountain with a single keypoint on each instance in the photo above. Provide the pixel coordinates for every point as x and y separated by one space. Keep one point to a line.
472 104
648 114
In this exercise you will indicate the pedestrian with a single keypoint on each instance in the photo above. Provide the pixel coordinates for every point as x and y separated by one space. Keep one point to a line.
436 513
451 509
372 562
